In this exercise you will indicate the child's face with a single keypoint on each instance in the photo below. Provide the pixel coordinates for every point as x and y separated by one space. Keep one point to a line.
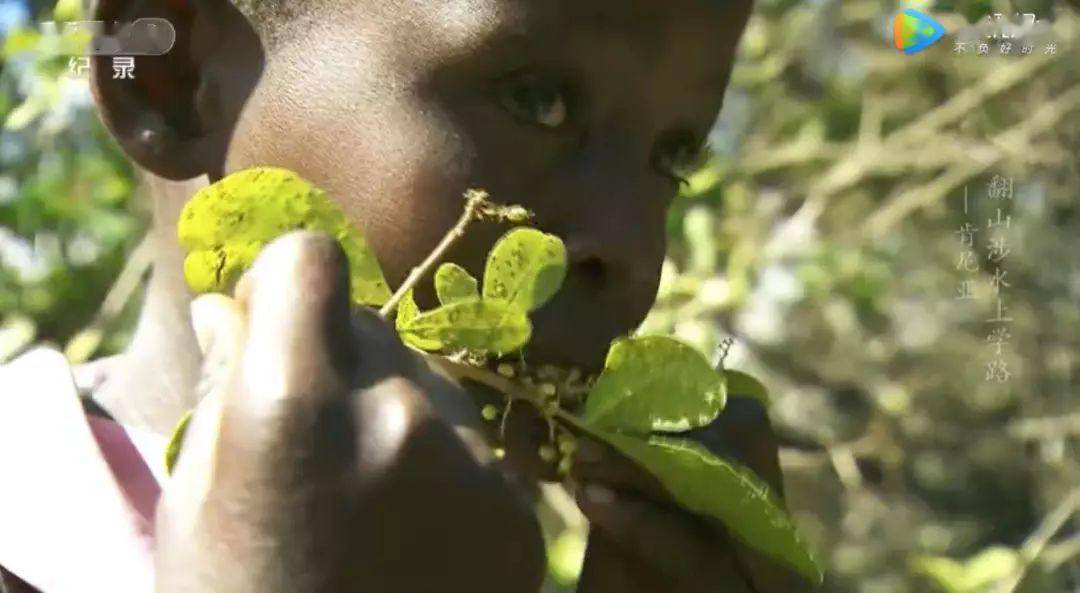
580 110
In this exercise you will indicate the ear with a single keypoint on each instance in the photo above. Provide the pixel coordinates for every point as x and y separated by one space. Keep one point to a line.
177 114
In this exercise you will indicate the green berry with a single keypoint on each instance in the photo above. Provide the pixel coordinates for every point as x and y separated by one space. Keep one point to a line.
489 412
506 370
548 389
547 453
564 465
567 446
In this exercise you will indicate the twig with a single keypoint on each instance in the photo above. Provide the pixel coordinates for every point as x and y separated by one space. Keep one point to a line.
475 201
84 344
1034 545
847 469
1045 118
1057 554
849 171
1033 429
511 389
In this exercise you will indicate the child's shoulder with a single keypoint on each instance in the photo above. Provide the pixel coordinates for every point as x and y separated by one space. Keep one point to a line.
76 493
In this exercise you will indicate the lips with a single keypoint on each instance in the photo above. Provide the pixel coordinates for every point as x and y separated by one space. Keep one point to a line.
576 329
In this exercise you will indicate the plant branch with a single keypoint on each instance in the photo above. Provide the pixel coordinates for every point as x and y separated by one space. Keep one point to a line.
863 159
1033 429
1038 540
509 388
475 202
899 206
84 344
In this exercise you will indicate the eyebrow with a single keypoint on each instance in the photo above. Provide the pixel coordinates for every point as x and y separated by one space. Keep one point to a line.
523 39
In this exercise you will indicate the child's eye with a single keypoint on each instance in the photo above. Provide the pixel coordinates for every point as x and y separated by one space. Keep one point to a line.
535 102
676 158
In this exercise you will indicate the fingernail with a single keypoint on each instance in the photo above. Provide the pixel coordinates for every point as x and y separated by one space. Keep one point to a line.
598 494
216 321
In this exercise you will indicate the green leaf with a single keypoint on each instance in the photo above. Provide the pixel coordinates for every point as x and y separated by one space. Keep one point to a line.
176 441
741 384
19 41
407 311
525 268
226 225
654 383
491 326
24 114
454 284
706 484
973 575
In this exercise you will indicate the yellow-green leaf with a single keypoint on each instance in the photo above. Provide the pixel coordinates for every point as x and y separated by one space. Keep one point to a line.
974 575
654 383
454 284
491 326
226 225
708 485
525 268
407 311
176 441
743 385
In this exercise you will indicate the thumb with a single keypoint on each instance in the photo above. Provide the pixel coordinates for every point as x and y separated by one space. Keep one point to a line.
219 330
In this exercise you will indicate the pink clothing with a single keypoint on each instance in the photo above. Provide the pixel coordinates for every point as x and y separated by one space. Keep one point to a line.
77 492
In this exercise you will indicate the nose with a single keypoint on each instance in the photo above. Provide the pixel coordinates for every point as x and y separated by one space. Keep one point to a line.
615 245
610 210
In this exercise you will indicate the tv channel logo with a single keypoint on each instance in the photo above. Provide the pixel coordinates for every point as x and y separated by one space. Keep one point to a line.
914 31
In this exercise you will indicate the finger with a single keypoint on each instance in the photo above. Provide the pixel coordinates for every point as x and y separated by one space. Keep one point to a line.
219 330
217 320
676 544
596 462
743 432
296 300
294 362
526 431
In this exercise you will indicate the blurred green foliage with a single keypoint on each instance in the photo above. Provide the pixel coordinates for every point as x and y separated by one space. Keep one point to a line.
821 236
67 219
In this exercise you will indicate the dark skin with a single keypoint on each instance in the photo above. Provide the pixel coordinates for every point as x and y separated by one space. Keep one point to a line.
579 111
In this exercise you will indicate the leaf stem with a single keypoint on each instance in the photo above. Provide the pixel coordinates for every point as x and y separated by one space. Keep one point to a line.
475 202
507 387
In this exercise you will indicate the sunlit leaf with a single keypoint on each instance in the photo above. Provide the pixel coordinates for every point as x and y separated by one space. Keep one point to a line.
226 225
491 326
453 284
743 385
407 311
84 344
566 555
24 114
974 575
16 333
525 268
708 485
654 383
176 441
19 41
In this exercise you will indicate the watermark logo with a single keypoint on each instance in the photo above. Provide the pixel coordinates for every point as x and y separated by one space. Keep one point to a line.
914 31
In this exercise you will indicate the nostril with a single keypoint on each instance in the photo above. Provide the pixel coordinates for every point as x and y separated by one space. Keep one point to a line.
592 269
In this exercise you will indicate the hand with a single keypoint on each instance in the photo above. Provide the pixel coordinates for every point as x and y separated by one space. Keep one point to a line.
640 541
321 458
